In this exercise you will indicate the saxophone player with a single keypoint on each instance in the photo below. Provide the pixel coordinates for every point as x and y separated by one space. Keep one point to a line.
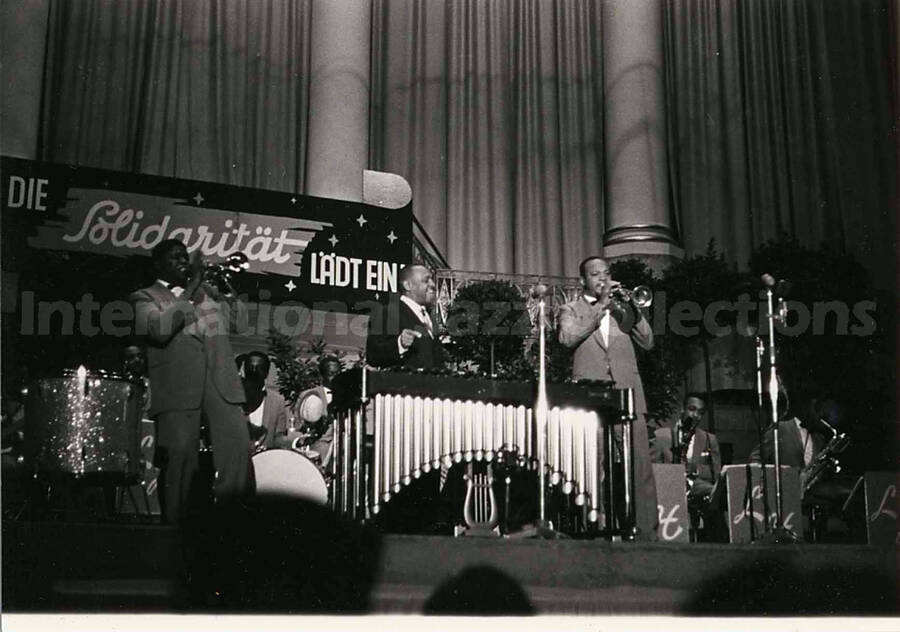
687 443
800 437
809 440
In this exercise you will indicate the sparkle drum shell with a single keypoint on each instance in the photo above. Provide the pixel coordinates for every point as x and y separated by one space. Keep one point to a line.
85 424
286 473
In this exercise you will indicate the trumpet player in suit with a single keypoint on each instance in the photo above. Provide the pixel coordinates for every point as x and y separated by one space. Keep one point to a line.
190 362
602 327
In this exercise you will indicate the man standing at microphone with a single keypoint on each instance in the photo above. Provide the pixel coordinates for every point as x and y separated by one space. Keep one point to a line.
186 323
602 330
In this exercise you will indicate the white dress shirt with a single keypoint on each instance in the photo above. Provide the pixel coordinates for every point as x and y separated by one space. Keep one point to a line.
604 320
806 440
421 313
256 417
177 290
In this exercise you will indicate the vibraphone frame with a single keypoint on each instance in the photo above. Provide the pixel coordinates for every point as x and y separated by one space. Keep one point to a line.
372 403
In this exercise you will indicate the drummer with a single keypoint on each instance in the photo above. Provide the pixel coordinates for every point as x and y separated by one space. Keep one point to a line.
312 409
267 412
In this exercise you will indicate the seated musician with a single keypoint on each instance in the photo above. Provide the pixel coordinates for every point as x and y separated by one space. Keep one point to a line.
402 335
801 439
697 449
134 365
266 410
312 411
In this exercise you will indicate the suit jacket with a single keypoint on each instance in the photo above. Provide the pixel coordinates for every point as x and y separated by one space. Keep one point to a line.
789 443
275 419
186 345
381 343
594 360
705 461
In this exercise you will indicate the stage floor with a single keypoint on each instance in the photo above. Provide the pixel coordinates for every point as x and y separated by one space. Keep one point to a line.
57 566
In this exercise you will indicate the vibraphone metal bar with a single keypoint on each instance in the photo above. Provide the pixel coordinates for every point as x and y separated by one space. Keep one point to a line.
419 422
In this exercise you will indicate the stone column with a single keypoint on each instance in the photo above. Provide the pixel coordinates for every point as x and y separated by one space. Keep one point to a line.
637 185
338 98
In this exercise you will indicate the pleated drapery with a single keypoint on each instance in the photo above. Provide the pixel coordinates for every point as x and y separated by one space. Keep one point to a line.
493 111
202 89
782 114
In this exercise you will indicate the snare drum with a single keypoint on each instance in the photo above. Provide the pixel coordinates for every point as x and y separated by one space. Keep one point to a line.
287 473
85 422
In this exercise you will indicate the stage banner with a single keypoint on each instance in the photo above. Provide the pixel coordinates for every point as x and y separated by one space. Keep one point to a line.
300 248
750 511
883 508
671 496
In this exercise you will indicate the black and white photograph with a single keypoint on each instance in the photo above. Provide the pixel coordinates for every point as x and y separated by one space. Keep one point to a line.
555 314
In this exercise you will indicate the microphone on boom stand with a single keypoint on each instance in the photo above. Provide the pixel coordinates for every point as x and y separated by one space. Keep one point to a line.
780 534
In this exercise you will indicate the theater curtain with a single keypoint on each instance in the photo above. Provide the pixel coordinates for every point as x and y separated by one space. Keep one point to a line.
493 111
781 114
203 89
782 119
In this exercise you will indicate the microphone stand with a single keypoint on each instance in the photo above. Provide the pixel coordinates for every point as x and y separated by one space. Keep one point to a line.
781 534
544 528
760 351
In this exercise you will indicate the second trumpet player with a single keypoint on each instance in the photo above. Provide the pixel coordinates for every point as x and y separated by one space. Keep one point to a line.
603 330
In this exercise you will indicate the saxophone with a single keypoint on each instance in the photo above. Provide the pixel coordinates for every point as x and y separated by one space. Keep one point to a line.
825 461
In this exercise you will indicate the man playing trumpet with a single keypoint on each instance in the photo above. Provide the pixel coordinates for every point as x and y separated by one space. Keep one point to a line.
186 323
602 326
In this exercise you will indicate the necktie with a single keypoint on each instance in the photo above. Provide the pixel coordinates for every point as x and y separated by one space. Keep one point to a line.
427 320
177 290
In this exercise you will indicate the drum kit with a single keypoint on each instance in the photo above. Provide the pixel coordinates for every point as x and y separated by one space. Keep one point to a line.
85 422
85 425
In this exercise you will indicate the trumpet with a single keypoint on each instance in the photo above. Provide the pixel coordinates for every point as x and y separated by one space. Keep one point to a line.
641 296
220 275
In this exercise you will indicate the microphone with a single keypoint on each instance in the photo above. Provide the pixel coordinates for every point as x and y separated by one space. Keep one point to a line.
781 287
539 290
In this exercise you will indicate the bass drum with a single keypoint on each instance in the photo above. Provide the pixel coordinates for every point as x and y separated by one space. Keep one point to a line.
288 474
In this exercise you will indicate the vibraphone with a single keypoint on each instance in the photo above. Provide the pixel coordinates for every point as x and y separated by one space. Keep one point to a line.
418 422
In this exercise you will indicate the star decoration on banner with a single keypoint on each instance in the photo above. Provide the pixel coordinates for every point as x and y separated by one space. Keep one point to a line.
334 240
198 198
294 200
392 237
290 285
361 220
